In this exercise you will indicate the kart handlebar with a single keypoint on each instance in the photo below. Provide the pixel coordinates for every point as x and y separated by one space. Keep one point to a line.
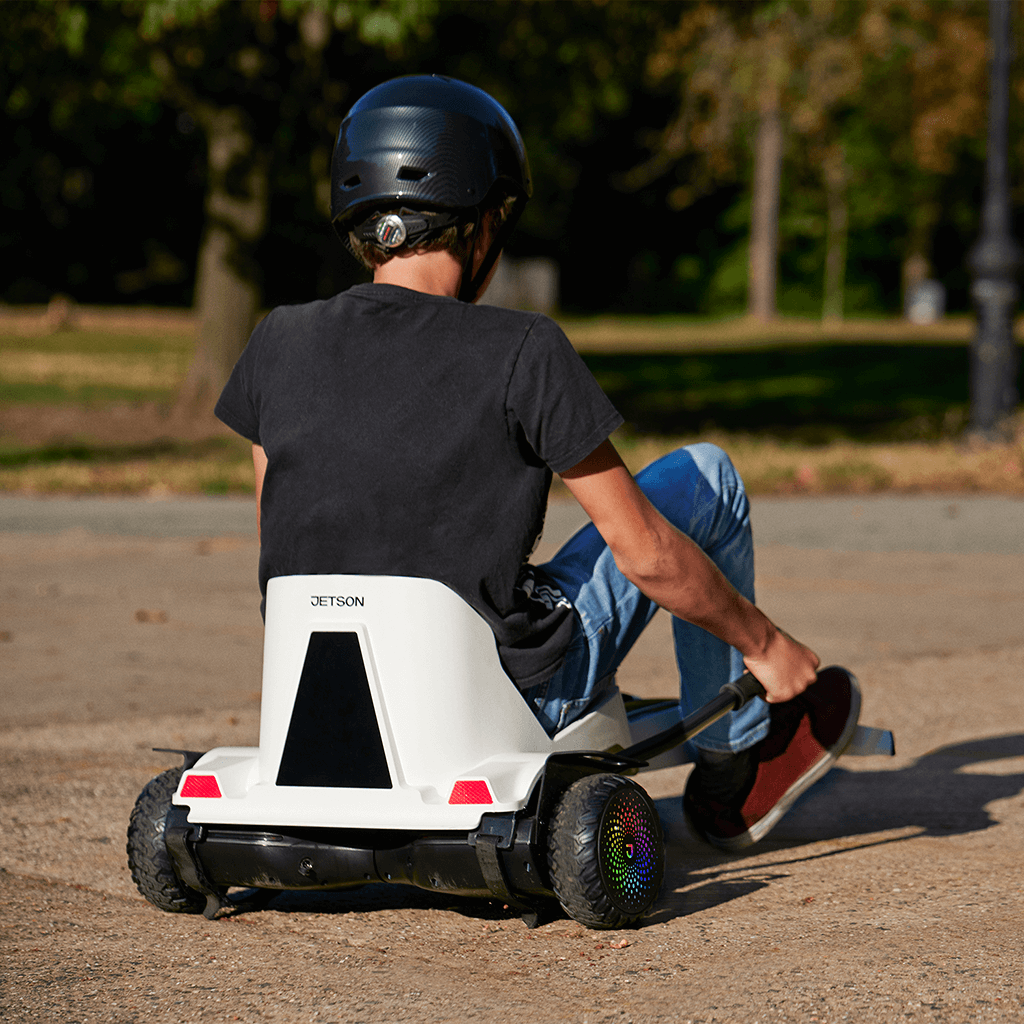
743 689
731 697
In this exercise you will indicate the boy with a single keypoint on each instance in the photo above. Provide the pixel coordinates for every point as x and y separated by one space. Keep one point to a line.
399 429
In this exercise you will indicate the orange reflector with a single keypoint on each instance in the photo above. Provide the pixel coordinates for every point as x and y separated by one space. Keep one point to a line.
471 791
201 785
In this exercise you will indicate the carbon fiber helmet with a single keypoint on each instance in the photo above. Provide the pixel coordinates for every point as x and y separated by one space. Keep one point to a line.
434 150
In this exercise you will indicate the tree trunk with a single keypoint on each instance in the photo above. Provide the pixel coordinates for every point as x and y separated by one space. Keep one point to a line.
764 210
227 293
836 233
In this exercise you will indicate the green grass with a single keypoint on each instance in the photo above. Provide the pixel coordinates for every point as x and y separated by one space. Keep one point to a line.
813 394
91 367
675 333
850 408
101 342
213 448
30 393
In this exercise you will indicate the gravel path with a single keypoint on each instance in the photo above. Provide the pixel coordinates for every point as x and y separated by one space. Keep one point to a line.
891 892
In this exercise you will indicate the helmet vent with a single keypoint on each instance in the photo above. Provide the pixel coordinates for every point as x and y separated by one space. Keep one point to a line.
352 182
407 173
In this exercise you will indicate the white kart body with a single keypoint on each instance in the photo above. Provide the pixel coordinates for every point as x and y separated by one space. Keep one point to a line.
456 738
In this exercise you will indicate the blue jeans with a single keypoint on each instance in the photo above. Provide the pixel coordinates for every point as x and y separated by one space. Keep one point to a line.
697 489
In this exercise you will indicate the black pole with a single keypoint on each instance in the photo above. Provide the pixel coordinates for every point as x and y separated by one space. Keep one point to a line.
996 257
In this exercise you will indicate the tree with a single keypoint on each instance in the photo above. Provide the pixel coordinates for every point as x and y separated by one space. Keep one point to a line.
949 90
758 71
75 131
730 65
237 67
571 75
849 89
252 77
869 115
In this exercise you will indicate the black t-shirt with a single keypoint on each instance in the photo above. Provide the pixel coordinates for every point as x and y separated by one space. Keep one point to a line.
415 435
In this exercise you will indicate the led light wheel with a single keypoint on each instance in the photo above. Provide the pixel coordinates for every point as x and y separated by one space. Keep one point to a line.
151 866
606 852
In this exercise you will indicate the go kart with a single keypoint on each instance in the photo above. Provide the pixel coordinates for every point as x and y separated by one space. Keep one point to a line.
394 748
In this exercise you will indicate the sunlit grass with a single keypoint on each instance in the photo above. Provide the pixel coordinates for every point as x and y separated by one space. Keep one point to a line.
98 342
674 333
768 466
855 408
153 373
91 366
222 466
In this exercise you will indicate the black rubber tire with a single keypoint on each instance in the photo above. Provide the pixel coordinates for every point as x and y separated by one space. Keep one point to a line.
151 865
606 852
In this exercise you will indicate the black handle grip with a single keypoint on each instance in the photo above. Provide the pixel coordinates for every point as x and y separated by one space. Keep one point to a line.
742 690
730 697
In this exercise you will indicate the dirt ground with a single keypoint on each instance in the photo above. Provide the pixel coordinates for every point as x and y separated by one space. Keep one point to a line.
892 892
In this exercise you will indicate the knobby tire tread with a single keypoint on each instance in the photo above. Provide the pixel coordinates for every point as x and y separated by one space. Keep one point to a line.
573 854
150 863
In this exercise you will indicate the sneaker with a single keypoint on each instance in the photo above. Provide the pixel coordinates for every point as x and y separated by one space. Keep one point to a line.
734 800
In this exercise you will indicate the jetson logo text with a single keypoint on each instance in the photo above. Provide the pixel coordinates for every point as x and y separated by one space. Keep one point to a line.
327 601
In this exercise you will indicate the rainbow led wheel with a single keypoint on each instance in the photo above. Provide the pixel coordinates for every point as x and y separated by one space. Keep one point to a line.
606 851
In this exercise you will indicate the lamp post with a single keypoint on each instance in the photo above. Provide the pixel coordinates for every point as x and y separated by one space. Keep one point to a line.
995 258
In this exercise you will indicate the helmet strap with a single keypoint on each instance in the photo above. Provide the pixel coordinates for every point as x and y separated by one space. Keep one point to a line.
470 287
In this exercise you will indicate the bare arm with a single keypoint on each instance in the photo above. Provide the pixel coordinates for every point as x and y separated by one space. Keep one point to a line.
259 463
675 573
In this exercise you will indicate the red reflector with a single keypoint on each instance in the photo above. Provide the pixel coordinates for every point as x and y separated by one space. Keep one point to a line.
201 785
470 791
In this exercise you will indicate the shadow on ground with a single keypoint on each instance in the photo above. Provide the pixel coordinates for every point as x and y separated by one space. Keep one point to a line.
940 794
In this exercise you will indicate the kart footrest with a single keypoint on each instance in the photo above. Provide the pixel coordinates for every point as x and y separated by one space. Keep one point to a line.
868 742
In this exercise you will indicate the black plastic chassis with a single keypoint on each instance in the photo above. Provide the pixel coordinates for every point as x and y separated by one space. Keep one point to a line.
505 858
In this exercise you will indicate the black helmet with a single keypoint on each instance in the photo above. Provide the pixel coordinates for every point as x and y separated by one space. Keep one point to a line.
429 144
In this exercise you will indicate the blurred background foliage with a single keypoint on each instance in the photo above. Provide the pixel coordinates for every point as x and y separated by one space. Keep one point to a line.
136 129
801 161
